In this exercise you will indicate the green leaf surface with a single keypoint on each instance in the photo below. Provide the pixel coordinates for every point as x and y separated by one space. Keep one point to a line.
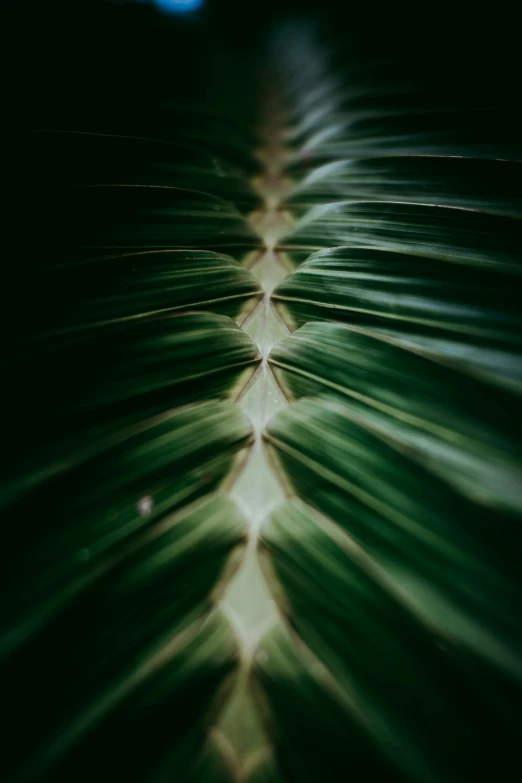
315 736
91 220
444 233
393 682
70 515
469 318
140 366
122 689
416 526
149 204
135 285
434 130
462 429
484 185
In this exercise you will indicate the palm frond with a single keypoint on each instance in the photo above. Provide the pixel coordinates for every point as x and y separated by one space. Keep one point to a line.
264 486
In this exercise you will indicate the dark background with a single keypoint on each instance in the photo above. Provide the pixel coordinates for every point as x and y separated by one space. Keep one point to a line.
103 66
72 59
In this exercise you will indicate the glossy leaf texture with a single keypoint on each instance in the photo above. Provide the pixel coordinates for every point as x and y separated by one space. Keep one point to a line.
96 218
124 713
349 101
433 130
124 364
129 286
438 415
212 358
438 180
143 198
395 559
443 233
394 695
313 731
368 482
100 558
464 316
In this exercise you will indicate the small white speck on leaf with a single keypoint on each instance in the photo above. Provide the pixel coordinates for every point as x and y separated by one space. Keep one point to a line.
145 505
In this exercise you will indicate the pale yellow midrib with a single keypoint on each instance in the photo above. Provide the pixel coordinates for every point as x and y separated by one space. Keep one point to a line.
257 490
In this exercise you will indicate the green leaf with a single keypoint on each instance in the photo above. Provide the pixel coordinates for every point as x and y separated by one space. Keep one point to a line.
374 613
112 700
403 130
387 682
316 735
93 219
466 317
443 233
432 541
150 468
484 185
144 364
461 429
136 285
